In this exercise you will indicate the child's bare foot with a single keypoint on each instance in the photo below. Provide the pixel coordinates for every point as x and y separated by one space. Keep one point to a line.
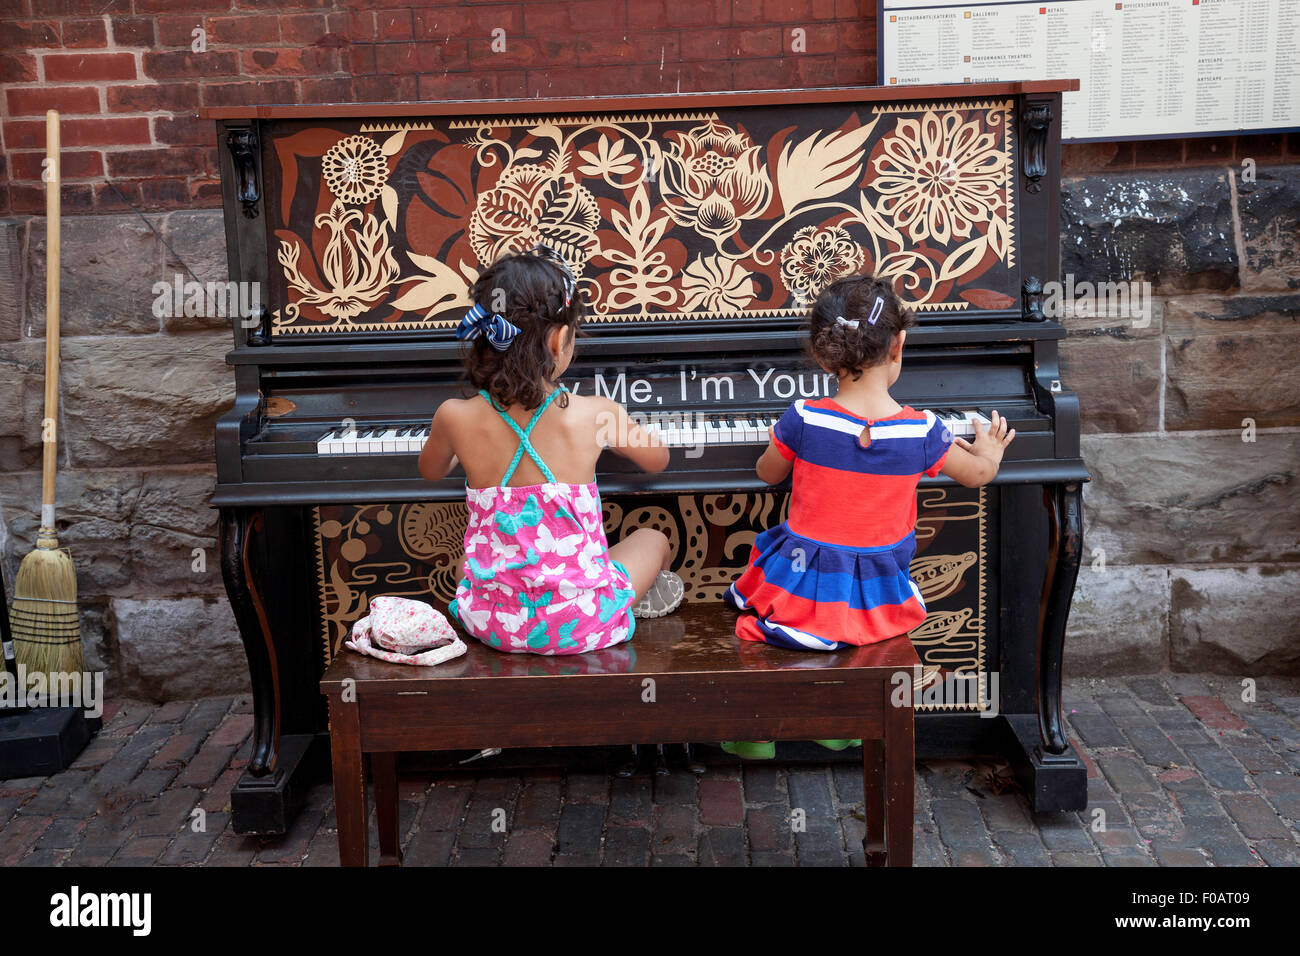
664 596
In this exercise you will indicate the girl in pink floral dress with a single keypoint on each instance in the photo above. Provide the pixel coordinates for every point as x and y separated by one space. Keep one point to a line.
540 576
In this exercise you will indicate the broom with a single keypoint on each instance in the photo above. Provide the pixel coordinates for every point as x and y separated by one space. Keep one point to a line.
46 627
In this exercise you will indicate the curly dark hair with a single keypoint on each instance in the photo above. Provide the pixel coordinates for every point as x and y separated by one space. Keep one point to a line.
843 349
528 290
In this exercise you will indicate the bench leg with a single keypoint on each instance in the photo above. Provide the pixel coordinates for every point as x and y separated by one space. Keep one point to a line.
349 781
383 772
873 785
900 783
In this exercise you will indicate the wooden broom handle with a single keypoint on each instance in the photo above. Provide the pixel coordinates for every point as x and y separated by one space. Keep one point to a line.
52 187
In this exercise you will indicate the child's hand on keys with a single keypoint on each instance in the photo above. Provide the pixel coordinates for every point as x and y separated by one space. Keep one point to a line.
989 442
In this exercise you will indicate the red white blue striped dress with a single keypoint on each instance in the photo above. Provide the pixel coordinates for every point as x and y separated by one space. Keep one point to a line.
835 573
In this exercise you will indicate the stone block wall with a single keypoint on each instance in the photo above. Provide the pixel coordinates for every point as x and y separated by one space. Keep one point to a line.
1197 529
1192 542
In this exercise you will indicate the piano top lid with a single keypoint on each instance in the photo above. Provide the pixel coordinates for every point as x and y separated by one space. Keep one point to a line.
653 101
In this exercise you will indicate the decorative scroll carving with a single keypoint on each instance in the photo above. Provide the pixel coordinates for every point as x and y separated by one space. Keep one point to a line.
242 143
1037 118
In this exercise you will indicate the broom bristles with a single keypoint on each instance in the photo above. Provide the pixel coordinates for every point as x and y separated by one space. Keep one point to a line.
46 626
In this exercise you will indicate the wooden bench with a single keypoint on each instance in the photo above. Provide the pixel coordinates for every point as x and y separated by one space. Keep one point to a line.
682 677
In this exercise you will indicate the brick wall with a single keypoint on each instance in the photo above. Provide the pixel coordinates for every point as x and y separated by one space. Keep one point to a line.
125 78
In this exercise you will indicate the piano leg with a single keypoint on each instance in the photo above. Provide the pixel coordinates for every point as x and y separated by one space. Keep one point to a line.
1065 549
1052 774
262 799
238 526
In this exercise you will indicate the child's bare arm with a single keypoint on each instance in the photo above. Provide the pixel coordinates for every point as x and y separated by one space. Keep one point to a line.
976 463
436 457
773 467
616 431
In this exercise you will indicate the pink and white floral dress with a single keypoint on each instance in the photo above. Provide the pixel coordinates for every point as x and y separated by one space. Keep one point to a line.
538 576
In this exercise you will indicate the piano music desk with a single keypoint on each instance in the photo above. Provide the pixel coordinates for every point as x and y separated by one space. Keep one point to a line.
682 677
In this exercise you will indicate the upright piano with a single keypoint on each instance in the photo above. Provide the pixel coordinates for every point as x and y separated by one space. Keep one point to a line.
700 228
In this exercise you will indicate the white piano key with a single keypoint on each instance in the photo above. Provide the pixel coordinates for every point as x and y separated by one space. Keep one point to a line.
349 442
712 434
727 432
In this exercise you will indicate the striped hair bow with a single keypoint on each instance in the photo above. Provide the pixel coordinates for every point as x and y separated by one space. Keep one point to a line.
478 321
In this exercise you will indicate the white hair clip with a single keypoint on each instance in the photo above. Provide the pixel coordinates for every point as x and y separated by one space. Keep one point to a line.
876 309
853 324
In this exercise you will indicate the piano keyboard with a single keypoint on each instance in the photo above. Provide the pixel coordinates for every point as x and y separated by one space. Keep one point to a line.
687 431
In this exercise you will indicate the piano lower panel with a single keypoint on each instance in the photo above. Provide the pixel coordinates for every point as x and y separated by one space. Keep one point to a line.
415 550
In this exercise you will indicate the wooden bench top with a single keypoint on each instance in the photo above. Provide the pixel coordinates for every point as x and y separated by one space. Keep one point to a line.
698 639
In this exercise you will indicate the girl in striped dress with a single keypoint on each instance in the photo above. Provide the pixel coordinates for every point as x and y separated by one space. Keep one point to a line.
835 573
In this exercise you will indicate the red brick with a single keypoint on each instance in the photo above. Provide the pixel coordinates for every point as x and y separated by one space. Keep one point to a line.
278 5
787 11
248 94
65 99
181 6
721 803
855 37
361 25
421 57
26 34
817 38
168 193
74 164
133 31
308 61
747 11
311 29
649 14
589 81
458 86
81 34
569 17
386 89
328 90
148 163
205 192
438 23
233 731
705 45
765 41
242 29
855 71
187 65
28 134
86 67
394 25
1213 713
529 848
361 60
182 131
13 9
177 33
108 200
20 834
94 8
153 97
596 50
17 68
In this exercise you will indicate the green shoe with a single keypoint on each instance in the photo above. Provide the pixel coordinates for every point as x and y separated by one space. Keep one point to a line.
838 744
751 749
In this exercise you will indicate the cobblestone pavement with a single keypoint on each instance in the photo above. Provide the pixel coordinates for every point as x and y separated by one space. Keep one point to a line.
1182 771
